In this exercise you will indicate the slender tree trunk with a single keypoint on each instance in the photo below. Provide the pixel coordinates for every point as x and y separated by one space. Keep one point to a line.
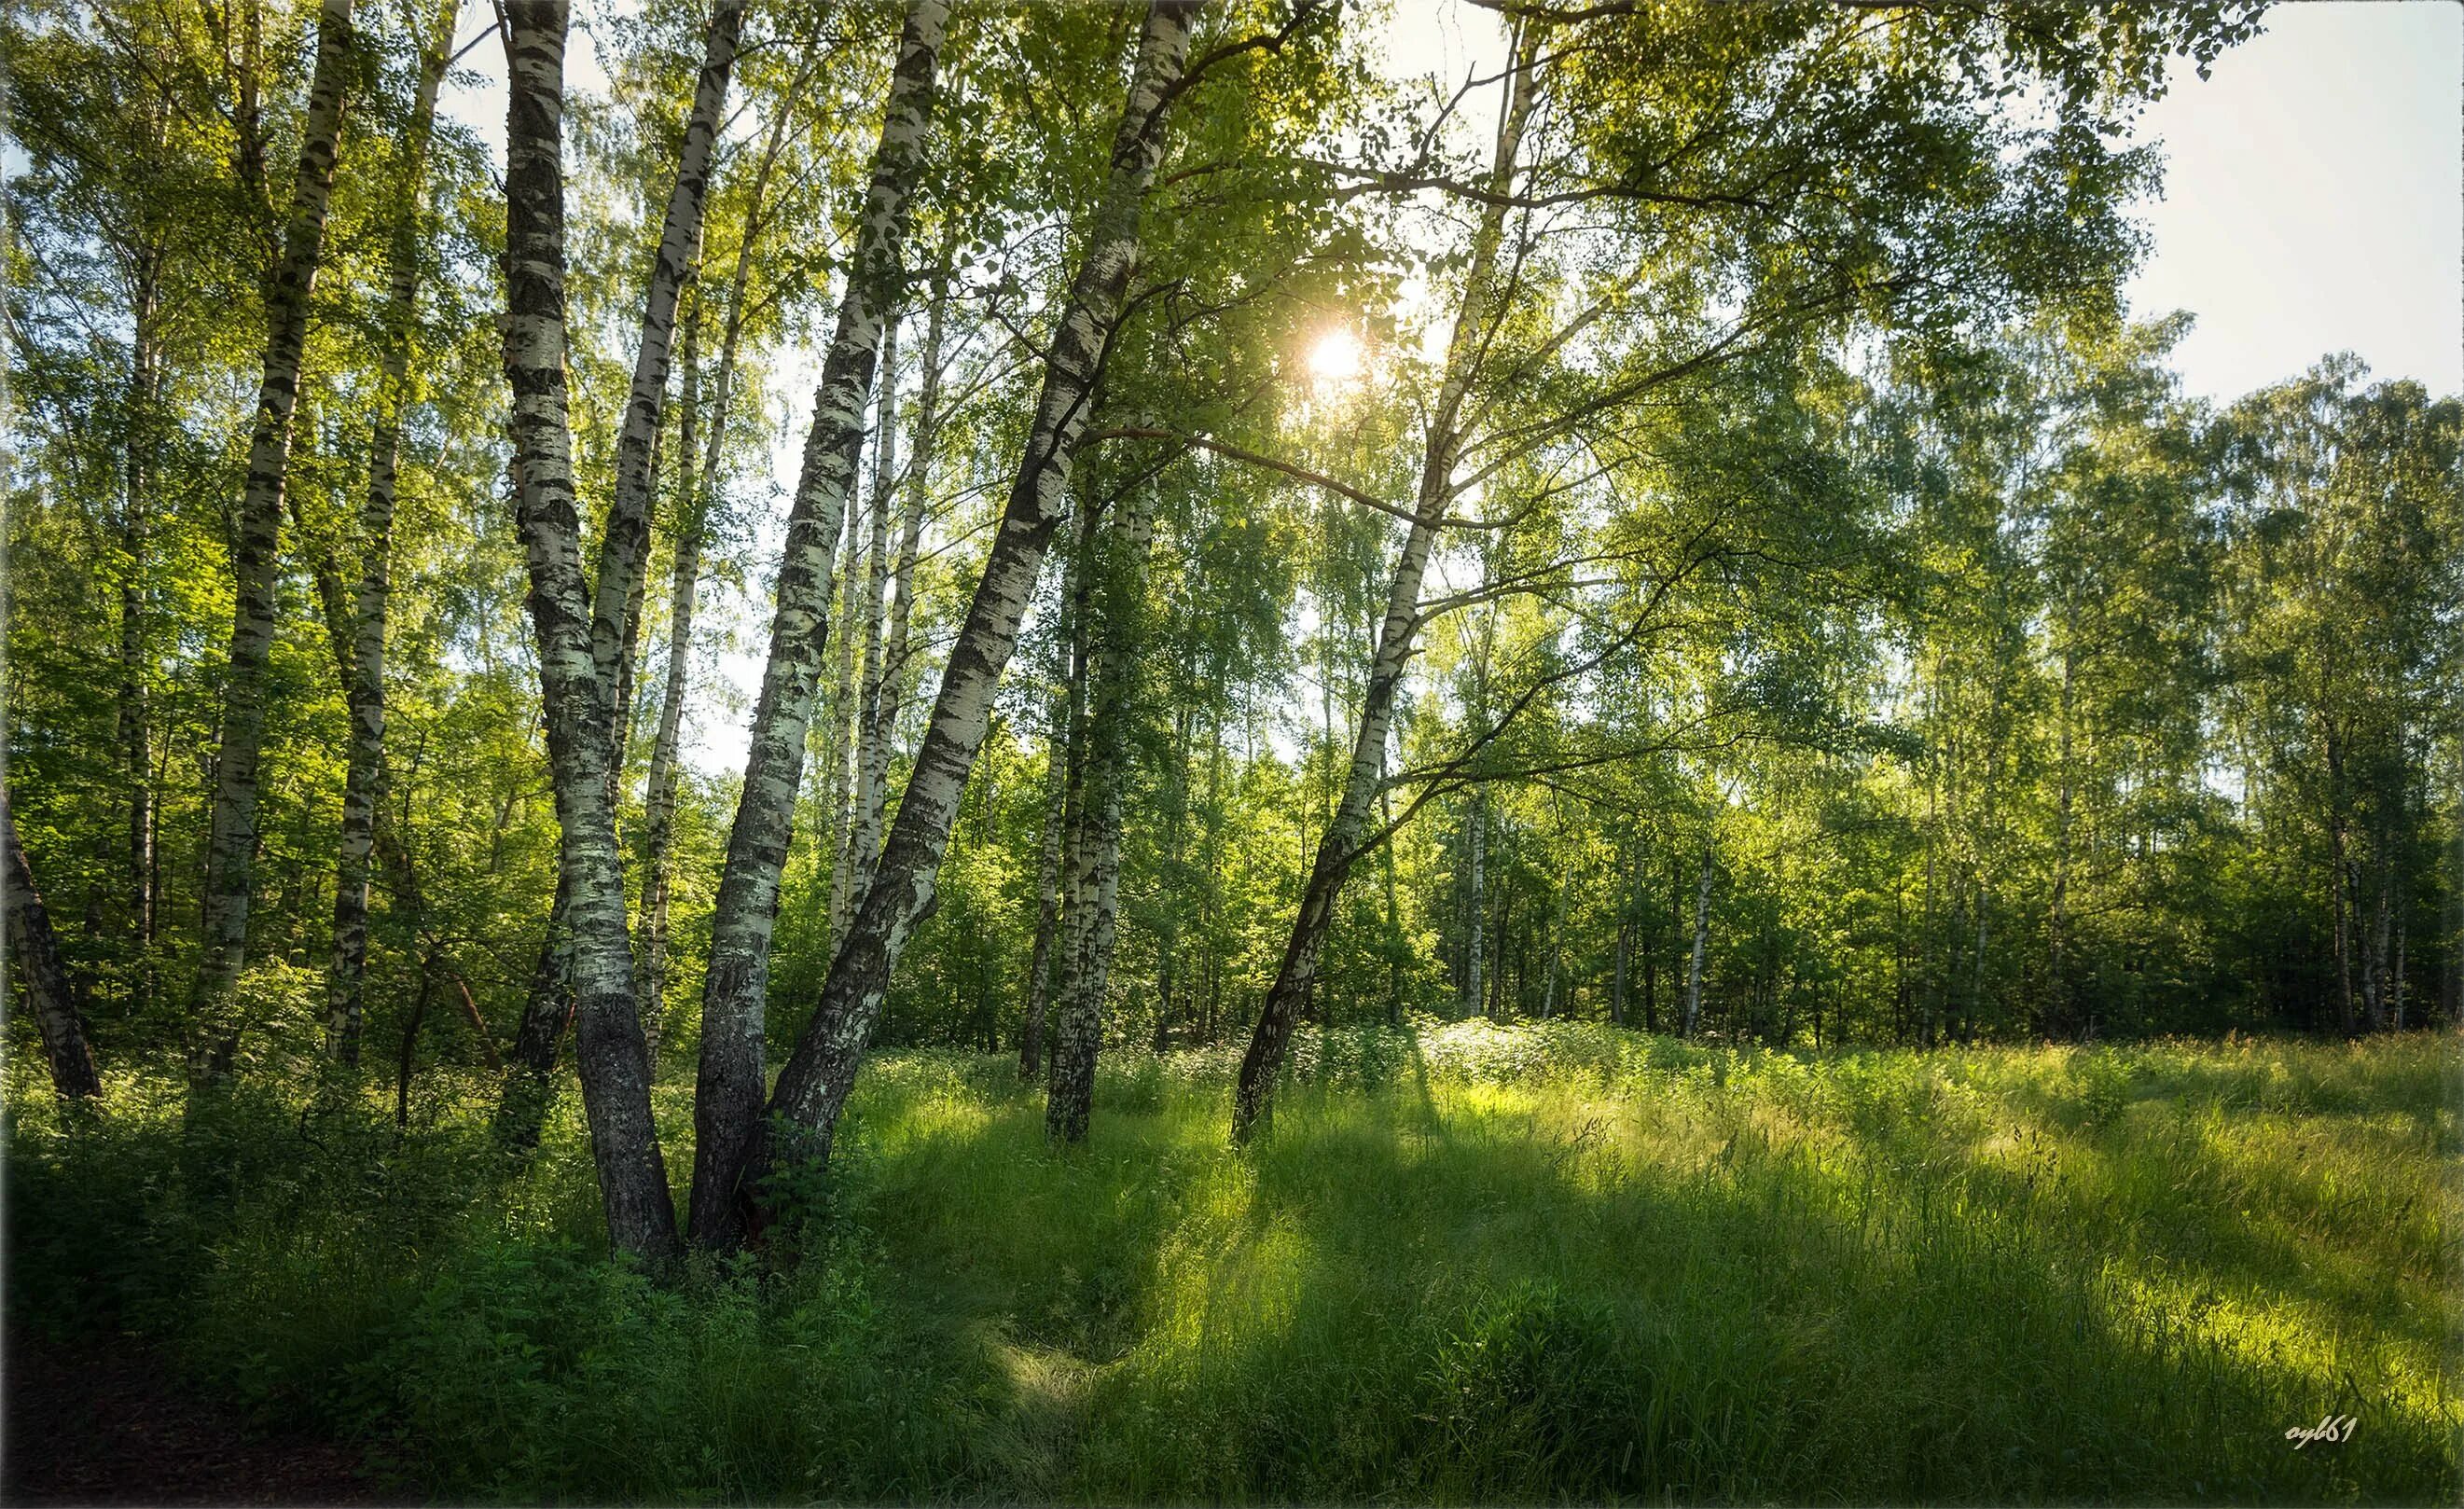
1395 941
51 990
727 1109
1617 975
1701 936
607 1036
815 1083
872 730
1556 950
1118 639
624 541
659 798
1497 993
1976 980
2057 913
1048 892
230 849
1338 846
1476 946
838 727
136 731
363 689
898 651
407 1056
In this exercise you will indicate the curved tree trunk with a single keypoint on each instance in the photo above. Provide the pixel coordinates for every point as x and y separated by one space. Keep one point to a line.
695 500
608 1031
231 845
815 1083
726 1107
838 723
1338 847
50 990
364 687
899 676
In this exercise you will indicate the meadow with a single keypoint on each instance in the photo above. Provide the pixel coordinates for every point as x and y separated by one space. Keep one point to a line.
1556 1262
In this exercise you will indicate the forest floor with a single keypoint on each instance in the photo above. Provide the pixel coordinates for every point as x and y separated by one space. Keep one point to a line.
1467 1264
107 1421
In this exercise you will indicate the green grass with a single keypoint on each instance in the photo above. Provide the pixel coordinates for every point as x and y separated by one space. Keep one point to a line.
1468 1265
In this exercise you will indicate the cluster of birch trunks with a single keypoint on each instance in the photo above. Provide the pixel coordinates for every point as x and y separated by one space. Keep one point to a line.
844 664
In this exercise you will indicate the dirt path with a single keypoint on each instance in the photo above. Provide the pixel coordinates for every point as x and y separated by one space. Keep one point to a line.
94 1427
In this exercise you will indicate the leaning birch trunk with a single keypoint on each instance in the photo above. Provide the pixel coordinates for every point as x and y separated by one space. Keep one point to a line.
607 1033
659 795
230 846
50 990
346 978
726 1107
625 542
1701 936
815 1083
1120 588
896 649
838 725
872 732
1338 847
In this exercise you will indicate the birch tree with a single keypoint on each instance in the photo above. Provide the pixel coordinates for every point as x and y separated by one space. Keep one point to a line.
230 846
727 1105
607 1037
51 989
364 666
1341 842
1090 924
815 1083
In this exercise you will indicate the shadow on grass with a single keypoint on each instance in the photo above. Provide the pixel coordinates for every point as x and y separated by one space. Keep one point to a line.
1658 1274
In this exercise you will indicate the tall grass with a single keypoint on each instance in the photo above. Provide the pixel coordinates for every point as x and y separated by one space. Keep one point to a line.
1468 1264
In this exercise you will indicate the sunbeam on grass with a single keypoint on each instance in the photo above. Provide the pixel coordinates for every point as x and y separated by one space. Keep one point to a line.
1469 1264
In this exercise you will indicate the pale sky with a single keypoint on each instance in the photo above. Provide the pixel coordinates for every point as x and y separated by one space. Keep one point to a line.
2314 196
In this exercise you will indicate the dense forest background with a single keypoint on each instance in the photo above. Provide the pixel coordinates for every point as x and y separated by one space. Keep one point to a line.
798 750
1830 622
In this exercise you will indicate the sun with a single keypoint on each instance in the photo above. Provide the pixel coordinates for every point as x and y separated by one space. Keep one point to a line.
1336 356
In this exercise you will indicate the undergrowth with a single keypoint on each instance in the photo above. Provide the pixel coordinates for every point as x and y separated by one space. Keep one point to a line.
1467 1264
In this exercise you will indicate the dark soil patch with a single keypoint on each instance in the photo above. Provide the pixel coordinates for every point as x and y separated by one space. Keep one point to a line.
112 1423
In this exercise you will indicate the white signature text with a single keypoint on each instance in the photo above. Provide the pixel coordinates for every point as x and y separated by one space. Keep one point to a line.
2335 1430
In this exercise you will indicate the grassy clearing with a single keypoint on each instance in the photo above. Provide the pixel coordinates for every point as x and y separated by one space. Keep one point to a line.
1469 1264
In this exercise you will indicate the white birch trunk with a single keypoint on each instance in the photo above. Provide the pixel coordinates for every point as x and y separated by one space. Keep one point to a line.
35 958
872 731
815 1083
728 1101
625 543
659 793
346 976
607 1035
1701 936
1120 566
1337 848
230 847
